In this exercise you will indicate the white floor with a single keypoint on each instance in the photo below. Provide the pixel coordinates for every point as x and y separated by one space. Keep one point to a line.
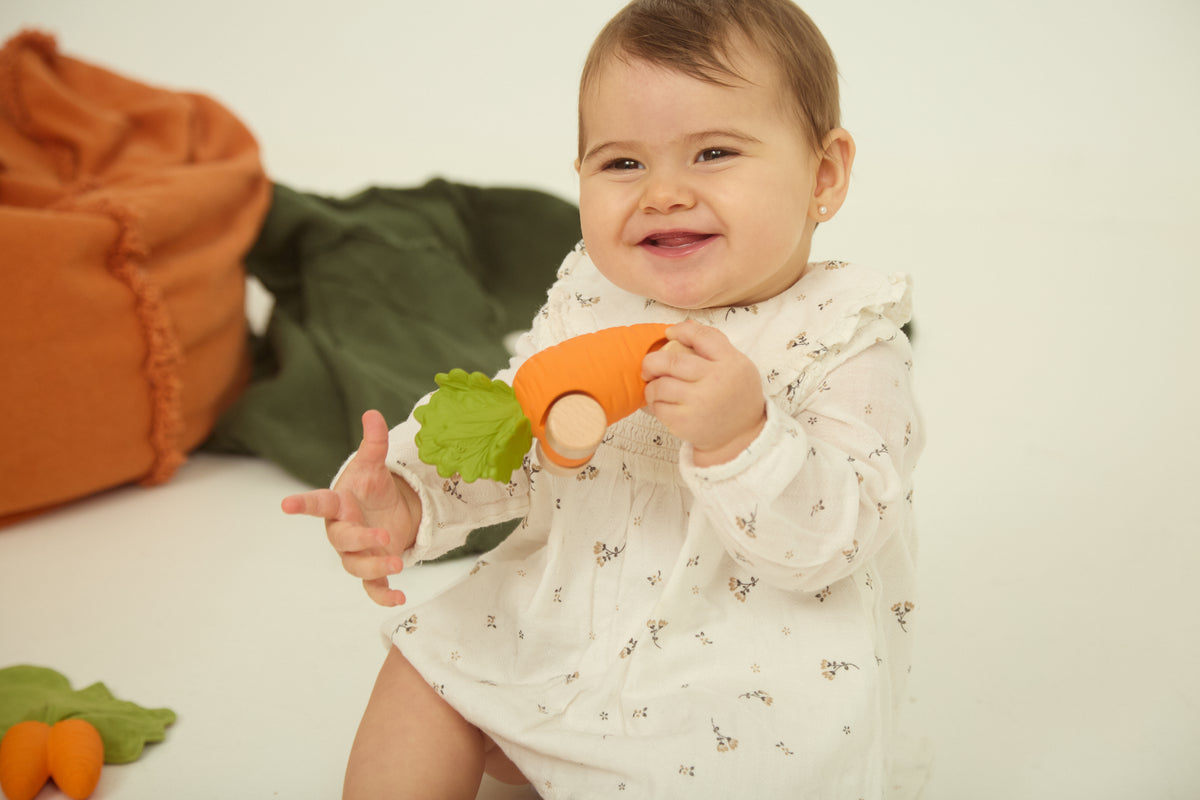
1037 173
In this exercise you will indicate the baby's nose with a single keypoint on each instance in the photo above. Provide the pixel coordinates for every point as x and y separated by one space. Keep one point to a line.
666 191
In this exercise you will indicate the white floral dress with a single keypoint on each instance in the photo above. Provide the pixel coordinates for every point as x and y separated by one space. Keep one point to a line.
654 629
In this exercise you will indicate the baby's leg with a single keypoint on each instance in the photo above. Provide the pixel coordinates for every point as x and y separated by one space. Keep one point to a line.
500 766
411 743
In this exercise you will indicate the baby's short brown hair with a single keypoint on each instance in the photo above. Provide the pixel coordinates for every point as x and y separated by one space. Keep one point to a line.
694 37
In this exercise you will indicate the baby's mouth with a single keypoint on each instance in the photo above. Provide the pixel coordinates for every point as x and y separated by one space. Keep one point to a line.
675 239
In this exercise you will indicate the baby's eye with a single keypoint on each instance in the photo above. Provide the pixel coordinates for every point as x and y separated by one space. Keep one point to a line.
620 164
714 154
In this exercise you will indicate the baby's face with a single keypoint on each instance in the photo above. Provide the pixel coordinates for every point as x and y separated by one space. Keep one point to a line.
694 194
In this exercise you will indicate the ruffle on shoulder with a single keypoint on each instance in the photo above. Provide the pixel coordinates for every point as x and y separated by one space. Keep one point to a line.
834 312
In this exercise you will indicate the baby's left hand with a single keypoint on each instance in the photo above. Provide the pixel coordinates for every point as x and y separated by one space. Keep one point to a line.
706 392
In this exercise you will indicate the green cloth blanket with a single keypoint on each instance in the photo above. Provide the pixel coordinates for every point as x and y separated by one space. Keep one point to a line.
374 295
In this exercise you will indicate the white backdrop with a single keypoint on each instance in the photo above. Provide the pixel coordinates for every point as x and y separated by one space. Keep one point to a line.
1033 164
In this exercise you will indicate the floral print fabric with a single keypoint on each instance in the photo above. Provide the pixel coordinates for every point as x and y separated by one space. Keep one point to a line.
661 630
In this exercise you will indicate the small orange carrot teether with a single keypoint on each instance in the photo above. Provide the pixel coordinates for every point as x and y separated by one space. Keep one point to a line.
23 767
554 388
70 751
75 755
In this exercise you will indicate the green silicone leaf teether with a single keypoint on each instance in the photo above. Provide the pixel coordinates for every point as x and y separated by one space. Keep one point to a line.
473 426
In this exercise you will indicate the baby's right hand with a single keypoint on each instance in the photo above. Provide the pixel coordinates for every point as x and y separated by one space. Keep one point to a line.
371 515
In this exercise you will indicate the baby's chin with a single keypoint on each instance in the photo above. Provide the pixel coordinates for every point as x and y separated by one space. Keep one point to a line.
695 298
683 295
680 291
682 303
694 293
697 301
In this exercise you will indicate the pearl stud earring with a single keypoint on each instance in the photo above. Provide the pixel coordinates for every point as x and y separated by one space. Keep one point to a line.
822 210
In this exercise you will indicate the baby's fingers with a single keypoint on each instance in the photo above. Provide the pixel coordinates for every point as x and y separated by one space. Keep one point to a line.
349 537
383 594
362 550
323 503
706 342
371 566
674 359
373 449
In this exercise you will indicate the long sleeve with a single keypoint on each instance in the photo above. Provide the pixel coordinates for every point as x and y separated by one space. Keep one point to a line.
452 508
819 492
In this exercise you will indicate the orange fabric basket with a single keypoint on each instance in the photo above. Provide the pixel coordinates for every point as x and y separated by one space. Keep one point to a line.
125 214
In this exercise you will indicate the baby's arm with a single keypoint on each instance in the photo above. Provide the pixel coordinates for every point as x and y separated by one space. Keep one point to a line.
451 507
371 515
814 496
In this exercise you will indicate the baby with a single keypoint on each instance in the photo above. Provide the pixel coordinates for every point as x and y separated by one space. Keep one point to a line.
720 603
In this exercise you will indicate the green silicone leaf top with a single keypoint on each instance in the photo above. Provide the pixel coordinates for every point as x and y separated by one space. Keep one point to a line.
40 693
473 426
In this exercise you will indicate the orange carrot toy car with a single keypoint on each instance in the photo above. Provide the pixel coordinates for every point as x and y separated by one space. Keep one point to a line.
565 396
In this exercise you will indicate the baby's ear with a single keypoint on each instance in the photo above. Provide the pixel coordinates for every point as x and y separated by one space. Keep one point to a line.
833 175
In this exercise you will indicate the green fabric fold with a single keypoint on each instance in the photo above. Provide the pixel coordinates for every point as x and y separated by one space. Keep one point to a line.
377 293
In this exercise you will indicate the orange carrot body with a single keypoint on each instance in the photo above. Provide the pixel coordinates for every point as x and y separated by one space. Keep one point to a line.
75 754
23 760
605 365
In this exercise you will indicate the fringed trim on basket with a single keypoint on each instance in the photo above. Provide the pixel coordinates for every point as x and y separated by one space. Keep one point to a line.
164 354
